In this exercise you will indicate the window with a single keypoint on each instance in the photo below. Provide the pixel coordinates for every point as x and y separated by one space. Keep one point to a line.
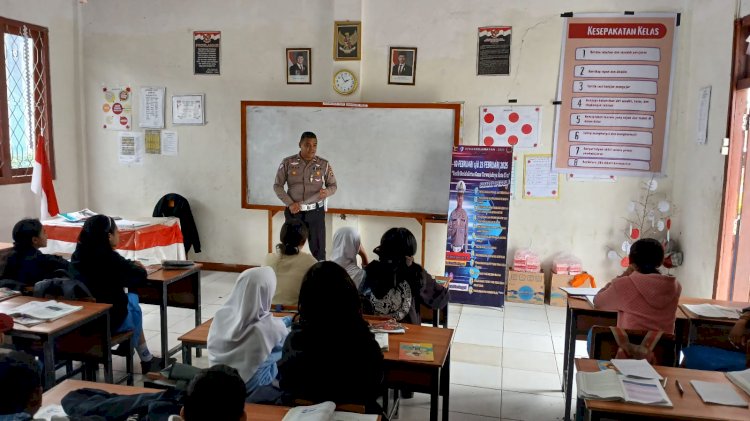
26 116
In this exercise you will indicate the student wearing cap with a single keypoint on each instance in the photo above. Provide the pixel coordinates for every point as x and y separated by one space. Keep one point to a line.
458 221
309 180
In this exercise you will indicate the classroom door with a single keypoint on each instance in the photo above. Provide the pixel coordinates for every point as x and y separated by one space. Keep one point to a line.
733 264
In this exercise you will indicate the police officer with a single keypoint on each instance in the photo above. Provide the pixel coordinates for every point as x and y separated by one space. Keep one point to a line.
309 179
458 221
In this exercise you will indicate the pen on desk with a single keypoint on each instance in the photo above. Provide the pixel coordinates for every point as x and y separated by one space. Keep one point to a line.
679 387
664 382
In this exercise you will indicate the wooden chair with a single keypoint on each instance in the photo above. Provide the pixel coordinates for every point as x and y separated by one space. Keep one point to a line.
604 346
438 318
87 348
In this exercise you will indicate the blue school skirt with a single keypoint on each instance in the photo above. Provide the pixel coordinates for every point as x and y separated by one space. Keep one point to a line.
134 320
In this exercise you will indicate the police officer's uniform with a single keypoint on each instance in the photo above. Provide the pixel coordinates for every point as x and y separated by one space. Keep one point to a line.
304 180
458 224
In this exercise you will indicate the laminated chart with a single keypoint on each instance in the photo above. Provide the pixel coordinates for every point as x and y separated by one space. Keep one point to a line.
614 94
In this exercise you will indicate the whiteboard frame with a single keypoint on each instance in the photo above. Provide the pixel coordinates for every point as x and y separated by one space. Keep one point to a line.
456 107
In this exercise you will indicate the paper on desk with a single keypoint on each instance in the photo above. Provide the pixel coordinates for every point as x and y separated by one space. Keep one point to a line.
127 223
590 299
636 368
601 385
714 311
718 393
49 411
580 291
645 391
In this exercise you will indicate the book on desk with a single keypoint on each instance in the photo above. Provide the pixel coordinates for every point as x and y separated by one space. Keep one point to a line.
36 312
608 385
325 411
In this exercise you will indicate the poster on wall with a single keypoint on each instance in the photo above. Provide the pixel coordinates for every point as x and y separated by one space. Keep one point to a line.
477 240
152 107
539 181
117 110
493 51
130 148
614 91
510 125
206 52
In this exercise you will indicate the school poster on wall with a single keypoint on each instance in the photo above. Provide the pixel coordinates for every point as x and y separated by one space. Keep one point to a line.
206 52
614 92
475 250
117 111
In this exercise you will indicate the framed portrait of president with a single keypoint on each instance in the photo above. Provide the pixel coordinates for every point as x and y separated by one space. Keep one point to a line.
298 66
402 65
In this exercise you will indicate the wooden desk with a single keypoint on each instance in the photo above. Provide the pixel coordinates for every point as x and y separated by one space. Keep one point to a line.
54 396
580 317
686 407
431 377
198 337
173 288
720 338
50 333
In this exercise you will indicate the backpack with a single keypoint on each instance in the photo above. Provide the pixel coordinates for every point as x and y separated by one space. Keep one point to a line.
643 351
62 287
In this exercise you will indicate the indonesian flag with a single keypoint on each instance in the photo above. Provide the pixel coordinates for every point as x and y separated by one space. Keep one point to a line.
41 181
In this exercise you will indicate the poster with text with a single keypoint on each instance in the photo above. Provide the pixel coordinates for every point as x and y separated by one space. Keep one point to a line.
539 181
475 250
493 52
510 125
614 91
206 52
117 110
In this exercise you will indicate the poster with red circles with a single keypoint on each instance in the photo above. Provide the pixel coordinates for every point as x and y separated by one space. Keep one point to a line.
509 125
116 108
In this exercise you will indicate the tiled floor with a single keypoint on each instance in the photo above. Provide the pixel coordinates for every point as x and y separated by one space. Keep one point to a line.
505 364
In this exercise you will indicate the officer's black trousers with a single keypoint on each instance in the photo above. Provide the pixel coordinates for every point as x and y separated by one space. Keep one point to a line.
315 221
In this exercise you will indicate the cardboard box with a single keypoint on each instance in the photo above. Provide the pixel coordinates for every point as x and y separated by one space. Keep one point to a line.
555 295
525 287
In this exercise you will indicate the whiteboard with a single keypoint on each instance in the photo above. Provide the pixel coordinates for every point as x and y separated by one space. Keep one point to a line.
387 159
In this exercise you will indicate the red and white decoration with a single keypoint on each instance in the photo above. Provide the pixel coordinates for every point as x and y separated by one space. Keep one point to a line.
515 126
41 181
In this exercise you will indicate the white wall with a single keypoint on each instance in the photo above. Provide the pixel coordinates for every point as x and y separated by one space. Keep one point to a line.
60 17
142 43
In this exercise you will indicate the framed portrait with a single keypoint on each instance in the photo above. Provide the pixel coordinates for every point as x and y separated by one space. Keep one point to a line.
346 40
402 65
188 109
298 68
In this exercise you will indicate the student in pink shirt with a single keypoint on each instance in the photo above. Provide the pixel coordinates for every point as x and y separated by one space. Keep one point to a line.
643 298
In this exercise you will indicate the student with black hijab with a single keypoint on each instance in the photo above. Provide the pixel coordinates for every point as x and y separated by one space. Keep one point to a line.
26 264
96 263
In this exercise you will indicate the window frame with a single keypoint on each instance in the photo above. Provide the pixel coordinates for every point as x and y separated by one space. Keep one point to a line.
8 175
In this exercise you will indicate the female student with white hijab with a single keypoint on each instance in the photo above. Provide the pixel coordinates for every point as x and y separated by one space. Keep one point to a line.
346 247
245 334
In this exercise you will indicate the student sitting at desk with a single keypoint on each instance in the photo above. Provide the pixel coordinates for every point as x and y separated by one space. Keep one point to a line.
346 247
216 394
331 355
396 286
643 298
245 334
96 263
20 386
289 262
26 264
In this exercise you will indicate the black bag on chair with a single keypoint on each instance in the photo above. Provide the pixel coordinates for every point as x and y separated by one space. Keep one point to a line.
64 287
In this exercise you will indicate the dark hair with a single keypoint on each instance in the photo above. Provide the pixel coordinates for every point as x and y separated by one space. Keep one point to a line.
303 56
24 231
216 393
396 244
328 295
293 233
647 255
20 378
307 135
94 237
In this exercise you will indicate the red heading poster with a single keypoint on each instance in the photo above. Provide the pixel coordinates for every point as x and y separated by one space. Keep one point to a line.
615 87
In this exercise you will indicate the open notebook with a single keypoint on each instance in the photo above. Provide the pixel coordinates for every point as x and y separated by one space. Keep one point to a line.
325 411
609 386
741 379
